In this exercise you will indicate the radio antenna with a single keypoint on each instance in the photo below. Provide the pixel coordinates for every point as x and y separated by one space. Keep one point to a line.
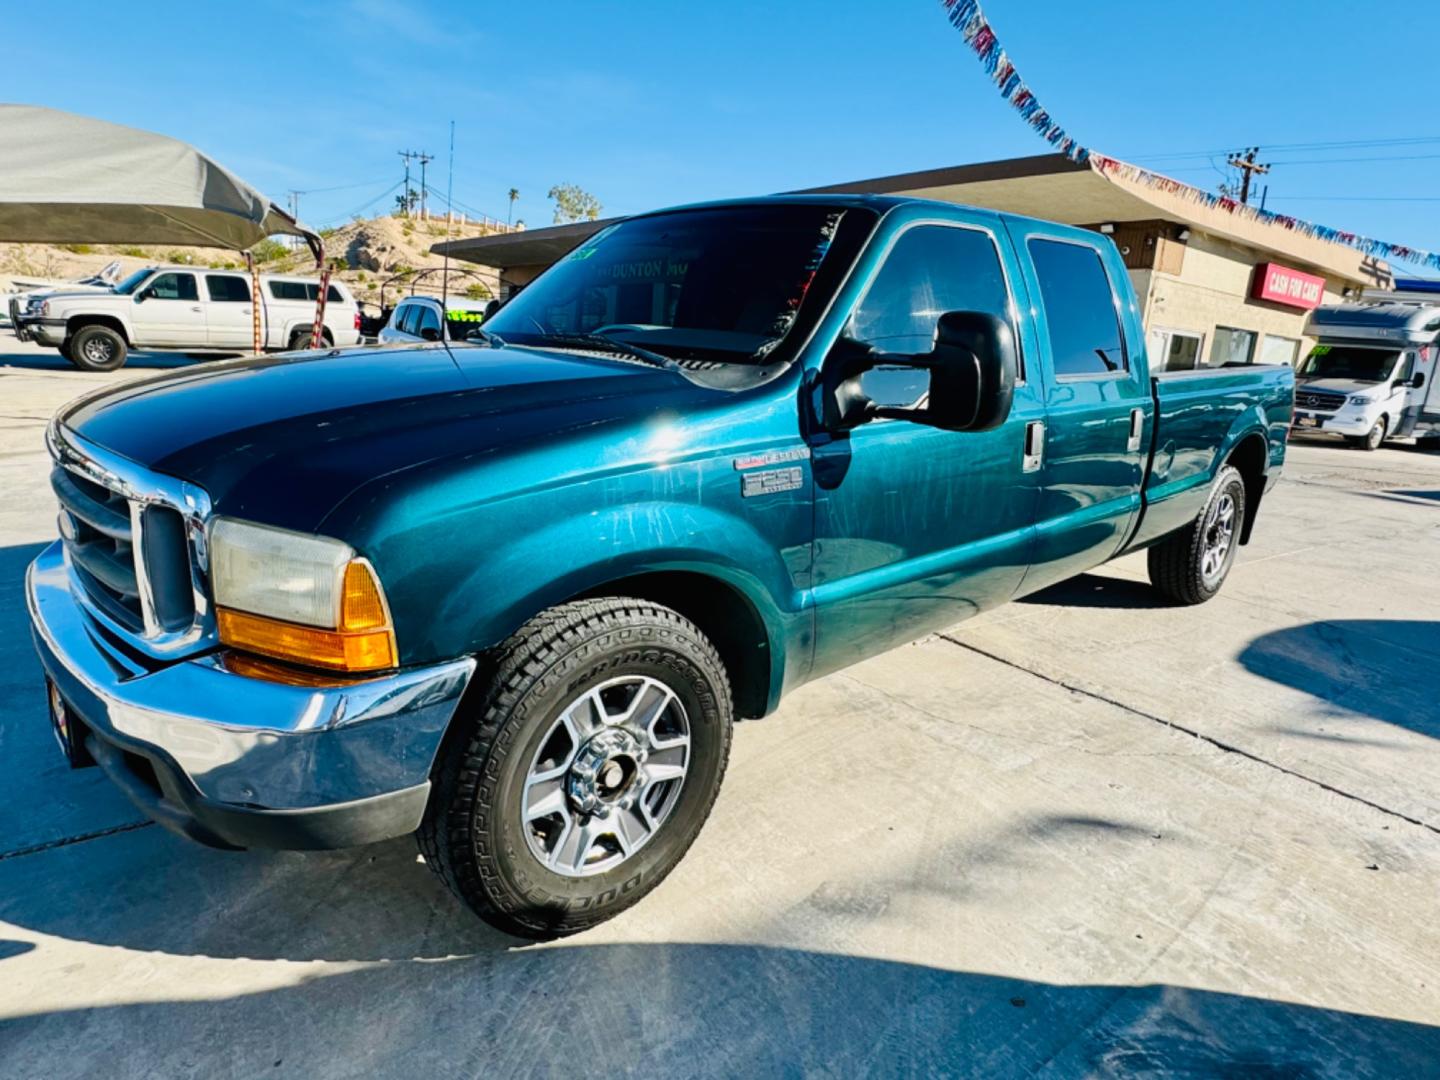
449 217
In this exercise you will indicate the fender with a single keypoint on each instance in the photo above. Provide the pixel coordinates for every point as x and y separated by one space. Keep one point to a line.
573 556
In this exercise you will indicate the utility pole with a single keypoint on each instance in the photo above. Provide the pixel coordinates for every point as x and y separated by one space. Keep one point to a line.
294 200
424 159
1247 168
407 156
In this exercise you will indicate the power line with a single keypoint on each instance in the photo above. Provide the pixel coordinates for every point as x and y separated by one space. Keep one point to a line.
1358 198
1348 144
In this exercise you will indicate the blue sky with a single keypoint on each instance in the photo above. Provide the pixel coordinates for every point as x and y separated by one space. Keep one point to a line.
648 103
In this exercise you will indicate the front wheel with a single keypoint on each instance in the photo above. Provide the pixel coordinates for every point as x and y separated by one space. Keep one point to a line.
1375 437
1189 566
585 770
96 348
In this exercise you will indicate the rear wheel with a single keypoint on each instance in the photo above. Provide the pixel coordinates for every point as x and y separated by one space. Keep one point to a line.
96 348
1190 566
585 770
300 339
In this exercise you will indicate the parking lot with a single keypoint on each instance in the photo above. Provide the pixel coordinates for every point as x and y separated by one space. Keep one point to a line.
1083 834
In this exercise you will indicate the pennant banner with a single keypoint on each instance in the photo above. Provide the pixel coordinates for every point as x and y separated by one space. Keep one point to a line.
966 17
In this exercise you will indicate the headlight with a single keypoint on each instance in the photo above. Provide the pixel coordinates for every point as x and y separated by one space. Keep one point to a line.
1361 399
308 599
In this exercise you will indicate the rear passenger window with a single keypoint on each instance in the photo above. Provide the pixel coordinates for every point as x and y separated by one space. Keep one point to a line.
174 287
931 269
1079 308
287 290
227 289
405 318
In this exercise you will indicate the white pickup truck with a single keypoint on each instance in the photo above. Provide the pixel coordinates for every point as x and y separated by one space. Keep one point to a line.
191 310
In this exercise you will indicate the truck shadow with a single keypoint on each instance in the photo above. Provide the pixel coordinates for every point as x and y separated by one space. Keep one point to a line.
1381 668
51 360
709 1010
1095 591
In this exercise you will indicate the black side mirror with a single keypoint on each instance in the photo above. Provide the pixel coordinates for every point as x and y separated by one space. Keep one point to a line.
1417 380
973 366
429 333
143 295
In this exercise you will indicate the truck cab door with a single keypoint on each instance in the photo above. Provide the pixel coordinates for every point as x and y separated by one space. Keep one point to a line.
168 311
917 528
1099 414
229 314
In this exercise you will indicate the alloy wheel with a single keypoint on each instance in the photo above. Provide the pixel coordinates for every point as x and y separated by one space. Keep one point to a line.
606 776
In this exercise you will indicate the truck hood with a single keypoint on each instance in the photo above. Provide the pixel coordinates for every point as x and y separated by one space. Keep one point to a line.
283 439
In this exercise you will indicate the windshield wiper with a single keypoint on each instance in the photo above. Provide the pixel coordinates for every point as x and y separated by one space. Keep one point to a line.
601 343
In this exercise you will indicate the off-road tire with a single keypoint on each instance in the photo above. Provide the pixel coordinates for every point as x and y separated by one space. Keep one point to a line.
471 834
1176 563
96 348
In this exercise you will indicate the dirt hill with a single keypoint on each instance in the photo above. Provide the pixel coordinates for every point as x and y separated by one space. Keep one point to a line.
365 254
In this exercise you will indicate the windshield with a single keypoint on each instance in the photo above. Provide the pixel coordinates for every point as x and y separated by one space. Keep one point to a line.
1349 362
723 284
133 282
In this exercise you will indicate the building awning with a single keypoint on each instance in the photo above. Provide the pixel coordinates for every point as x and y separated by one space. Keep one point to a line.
1047 186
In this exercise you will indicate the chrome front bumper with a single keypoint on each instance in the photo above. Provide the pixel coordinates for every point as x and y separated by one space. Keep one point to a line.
237 760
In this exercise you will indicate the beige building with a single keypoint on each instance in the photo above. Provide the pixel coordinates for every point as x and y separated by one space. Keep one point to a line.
1216 286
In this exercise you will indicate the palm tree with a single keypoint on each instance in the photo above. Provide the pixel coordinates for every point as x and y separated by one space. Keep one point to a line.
514 194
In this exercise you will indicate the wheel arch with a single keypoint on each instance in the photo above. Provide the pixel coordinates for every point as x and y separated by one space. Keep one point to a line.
1250 454
76 323
723 613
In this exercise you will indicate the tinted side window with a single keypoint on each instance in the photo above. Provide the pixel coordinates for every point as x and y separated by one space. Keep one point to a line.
227 289
931 269
1079 308
174 287
429 320
405 317
287 290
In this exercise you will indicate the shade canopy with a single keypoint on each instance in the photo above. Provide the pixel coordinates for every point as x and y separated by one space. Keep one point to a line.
67 179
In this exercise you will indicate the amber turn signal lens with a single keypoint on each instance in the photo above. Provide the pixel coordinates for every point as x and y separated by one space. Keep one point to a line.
335 650
360 605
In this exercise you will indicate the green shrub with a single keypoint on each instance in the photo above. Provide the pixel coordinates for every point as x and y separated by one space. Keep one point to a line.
79 249
269 251
135 252
476 290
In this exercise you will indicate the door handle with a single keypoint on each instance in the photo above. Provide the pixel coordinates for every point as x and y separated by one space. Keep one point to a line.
197 307
1034 446
1137 427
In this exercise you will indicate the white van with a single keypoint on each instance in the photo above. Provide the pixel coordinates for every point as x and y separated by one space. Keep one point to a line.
191 310
1371 376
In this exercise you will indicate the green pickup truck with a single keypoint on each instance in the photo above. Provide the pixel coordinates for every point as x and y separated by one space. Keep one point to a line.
510 594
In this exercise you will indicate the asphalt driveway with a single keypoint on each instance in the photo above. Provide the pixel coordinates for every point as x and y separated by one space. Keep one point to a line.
1082 835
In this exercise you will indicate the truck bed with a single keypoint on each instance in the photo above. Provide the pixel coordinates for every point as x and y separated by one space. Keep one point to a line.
1201 417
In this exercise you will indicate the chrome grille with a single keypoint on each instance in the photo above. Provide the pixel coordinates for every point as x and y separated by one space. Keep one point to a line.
1318 400
135 544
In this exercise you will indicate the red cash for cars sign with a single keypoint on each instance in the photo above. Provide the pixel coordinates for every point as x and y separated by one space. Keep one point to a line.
1282 285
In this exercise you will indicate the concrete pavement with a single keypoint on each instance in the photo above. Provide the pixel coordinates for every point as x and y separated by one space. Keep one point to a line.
1080 835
